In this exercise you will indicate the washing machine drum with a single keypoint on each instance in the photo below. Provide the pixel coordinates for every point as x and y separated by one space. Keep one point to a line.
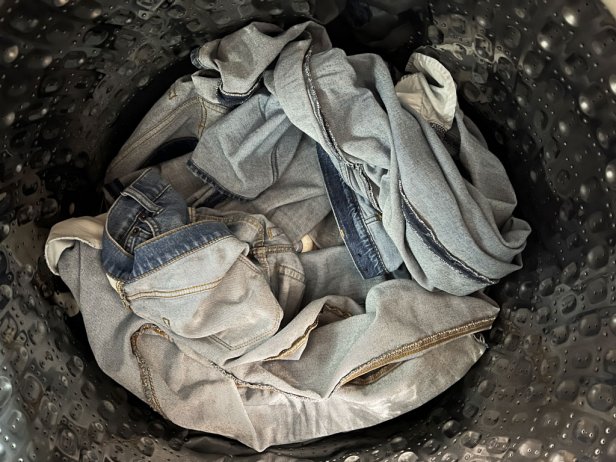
537 76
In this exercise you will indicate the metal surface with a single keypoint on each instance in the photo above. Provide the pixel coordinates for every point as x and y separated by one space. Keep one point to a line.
539 78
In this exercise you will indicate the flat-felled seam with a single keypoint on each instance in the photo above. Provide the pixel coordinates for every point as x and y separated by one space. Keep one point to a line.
194 168
238 95
433 243
147 383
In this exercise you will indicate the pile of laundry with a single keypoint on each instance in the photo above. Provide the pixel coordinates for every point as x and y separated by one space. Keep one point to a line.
295 245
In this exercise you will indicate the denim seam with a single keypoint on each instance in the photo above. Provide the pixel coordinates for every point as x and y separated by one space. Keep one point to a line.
202 118
153 132
376 375
337 311
110 236
271 234
292 273
259 386
132 238
238 95
377 252
194 168
334 184
152 224
176 293
119 287
124 238
213 107
318 113
262 259
367 182
304 337
147 383
173 260
316 105
272 249
256 224
251 266
274 163
142 199
227 374
372 219
296 344
420 345
169 233
447 257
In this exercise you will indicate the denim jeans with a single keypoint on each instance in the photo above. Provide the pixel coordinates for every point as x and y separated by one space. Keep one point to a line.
288 189
277 218
398 193
357 352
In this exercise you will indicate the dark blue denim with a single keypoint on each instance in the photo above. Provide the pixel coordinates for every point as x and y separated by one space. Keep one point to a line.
149 208
346 209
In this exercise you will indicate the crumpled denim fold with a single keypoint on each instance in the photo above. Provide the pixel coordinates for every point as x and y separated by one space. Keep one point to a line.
213 320
198 299
452 229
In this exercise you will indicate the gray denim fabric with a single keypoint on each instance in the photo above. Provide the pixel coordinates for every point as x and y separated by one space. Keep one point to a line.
299 383
194 292
290 194
452 233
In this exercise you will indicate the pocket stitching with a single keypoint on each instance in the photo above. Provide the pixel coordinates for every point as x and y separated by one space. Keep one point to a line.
176 293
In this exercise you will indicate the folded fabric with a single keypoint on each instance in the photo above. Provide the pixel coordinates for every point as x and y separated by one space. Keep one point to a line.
275 221
398 194
213 320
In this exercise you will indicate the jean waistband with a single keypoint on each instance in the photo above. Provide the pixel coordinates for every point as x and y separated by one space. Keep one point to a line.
150 208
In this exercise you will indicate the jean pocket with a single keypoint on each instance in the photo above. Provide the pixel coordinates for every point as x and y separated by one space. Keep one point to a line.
212 292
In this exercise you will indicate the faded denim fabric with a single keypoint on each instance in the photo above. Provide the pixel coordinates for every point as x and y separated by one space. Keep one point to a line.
452 229
341 363
290 194
277 218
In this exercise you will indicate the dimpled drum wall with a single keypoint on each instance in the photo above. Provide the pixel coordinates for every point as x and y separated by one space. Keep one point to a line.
538 77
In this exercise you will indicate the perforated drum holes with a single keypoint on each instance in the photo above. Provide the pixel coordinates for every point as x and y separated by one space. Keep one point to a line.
538 77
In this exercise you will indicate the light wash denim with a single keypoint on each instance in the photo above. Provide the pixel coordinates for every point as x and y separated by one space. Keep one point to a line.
275 216
398 194
340 364
288 190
